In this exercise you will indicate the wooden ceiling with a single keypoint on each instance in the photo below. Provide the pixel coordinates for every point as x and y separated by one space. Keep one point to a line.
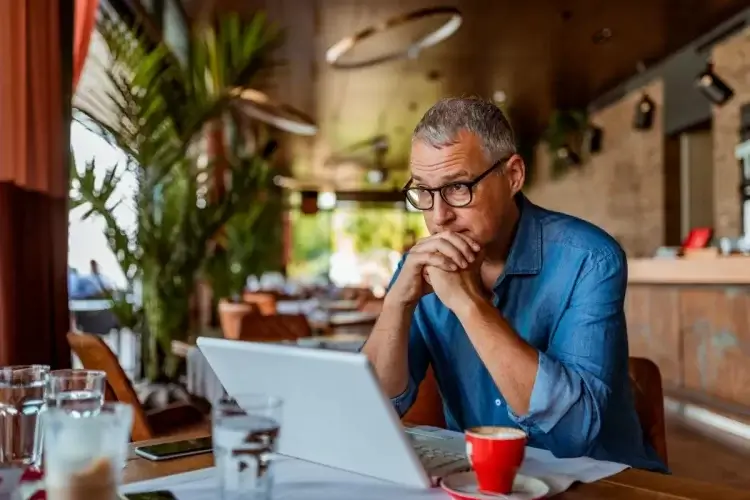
543 54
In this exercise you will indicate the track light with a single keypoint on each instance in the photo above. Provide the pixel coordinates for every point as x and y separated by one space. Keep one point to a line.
644 113
713 87
567 155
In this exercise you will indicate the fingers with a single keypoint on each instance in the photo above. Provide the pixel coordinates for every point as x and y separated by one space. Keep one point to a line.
436 259
464 244
458 247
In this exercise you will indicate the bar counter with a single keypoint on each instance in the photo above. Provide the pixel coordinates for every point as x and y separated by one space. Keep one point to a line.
692 318
699 271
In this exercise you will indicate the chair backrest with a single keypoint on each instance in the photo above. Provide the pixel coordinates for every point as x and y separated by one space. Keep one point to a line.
428 407
96 355
265 301
275 327
645 379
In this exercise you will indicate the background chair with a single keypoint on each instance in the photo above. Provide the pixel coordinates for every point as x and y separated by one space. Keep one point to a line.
176 418
645 379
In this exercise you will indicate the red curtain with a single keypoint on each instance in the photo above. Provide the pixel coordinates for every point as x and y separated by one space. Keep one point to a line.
35 80
85 19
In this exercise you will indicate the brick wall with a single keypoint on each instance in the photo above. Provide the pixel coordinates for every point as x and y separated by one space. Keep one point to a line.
621 188
732 62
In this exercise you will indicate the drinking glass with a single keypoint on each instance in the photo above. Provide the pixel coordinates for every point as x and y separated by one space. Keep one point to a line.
21 400
245 438
84 453
76 390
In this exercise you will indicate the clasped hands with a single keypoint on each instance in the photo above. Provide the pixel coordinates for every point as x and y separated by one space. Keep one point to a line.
447 263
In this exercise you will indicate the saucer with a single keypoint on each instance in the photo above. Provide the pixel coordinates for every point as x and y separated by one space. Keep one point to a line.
463 486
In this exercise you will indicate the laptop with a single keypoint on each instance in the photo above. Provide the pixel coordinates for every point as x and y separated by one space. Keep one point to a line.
335 412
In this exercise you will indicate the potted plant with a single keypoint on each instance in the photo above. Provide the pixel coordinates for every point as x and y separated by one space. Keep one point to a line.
166 111
250 244
564 136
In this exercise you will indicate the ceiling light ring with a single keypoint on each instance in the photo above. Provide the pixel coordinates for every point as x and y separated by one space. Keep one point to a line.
340 48
277 114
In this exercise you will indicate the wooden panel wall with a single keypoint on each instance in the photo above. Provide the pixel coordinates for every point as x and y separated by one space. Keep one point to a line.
699 336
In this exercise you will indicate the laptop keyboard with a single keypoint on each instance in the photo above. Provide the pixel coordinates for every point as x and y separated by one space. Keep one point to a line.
438 462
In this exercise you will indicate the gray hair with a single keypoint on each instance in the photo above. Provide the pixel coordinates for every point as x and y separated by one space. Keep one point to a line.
440 126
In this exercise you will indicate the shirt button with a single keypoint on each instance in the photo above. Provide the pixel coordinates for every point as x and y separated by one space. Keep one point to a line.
498 402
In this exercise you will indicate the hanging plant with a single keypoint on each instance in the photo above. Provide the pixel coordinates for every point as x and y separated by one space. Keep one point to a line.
564 137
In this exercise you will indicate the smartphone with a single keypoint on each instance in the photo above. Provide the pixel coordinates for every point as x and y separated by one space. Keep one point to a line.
175 449
150 495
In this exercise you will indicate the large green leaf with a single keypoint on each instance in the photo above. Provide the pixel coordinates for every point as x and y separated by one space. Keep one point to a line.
157 111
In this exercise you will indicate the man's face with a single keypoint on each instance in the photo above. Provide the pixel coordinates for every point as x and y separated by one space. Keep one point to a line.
492 197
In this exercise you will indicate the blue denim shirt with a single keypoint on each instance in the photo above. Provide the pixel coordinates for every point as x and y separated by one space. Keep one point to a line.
562 290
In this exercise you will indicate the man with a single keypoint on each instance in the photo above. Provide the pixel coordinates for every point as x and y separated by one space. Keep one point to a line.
519 310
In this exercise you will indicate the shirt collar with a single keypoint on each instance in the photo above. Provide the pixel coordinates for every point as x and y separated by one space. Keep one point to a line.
525 256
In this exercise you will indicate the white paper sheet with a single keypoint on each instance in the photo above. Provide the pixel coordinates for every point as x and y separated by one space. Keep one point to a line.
558 473
297 479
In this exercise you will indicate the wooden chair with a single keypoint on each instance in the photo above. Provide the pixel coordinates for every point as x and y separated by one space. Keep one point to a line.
177 418
265 301
275 328
646 382
645 379
428 408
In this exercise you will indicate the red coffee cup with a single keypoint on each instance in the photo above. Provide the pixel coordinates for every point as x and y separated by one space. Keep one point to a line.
495 453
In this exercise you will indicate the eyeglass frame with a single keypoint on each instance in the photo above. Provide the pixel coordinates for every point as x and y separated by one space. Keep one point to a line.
468 184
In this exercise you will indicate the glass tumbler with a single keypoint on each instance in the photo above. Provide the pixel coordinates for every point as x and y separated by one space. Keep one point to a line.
84 453
80 391
21 400
245 438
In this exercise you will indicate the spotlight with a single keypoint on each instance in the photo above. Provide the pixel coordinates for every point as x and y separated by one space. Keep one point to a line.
567 155
713 87
644 113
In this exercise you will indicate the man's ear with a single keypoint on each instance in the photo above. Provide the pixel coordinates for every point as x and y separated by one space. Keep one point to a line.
515 172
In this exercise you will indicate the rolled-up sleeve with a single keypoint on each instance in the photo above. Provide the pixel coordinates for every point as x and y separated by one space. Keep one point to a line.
418 355
419 359
586 357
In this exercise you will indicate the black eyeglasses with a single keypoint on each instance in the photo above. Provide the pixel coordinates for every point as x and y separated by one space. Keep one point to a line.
455 194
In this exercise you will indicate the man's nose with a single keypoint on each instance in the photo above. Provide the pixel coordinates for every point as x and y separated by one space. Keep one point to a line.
442 213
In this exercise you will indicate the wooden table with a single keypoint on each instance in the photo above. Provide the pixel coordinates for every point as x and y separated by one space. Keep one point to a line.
630 484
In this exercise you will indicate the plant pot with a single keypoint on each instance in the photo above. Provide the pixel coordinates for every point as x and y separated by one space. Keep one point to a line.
233 316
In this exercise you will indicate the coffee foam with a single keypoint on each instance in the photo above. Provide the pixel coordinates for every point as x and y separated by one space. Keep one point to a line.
499 433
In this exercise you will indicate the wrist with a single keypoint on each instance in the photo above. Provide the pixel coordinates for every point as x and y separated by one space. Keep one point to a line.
472 305
394 304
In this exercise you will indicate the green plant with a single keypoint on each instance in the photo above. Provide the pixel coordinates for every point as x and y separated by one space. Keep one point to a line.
163 112
250 244
565 129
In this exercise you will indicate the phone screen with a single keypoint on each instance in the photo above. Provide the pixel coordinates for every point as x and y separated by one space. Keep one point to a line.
151 495
178 447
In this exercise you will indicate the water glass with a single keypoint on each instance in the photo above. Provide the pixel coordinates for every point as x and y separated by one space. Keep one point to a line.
245 437
76 390
21 400
84 453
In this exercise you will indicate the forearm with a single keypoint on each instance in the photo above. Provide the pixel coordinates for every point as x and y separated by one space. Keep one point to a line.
387 346
512 362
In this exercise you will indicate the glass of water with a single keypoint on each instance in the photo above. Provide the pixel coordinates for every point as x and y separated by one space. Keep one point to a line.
21 400
245 438
84 453
79 391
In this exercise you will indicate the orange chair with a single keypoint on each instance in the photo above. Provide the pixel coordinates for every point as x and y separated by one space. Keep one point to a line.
177 418
265 301
645 379
428 407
